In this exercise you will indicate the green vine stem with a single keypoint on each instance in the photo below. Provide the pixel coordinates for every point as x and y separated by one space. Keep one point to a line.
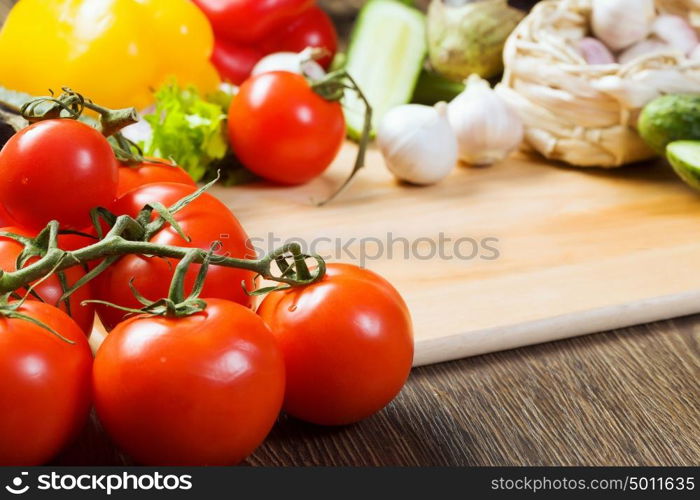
116 243
71 105
333 88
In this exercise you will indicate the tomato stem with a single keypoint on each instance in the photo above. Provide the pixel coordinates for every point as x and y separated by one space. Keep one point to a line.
333 88
123 239
71 105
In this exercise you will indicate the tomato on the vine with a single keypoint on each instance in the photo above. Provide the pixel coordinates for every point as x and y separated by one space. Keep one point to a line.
50 290
149 172
249 21
205 221
56 169
203 389
45 394
347 343
311 28
284 131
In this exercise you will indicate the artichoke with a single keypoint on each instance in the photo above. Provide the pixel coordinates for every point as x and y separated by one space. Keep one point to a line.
467 36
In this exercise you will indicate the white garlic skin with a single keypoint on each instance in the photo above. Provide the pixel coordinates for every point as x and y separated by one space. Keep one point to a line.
622 23
644 48
487 128
676 32
418 143
594 51
300 63
695 54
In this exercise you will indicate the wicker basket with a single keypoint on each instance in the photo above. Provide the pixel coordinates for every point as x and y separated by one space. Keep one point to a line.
583 114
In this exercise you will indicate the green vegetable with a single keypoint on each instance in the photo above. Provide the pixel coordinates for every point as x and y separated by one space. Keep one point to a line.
684 157
468 36
386 54
669 118
188 129
433 88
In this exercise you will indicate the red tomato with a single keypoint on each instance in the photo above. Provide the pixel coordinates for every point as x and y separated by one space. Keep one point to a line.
45 390
234 61
56 169
50 289
5 219
312 28
282 130
347 343
249 21
148 172
199 390
205 221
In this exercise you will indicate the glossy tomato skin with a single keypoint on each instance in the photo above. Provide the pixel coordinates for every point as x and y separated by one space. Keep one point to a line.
45 395
50 289
282 130
249 21
199 390
311 28
56 169
5 219
205 220
347 343
149 172
235 61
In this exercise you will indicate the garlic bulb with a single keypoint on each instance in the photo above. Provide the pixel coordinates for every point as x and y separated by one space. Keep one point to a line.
594 51
676 32
417 143
301 63
487 128
621 23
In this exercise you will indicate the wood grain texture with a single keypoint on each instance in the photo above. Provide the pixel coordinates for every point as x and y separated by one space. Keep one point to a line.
628 397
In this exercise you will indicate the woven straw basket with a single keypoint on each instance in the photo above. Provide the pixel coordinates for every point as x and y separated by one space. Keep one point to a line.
584 114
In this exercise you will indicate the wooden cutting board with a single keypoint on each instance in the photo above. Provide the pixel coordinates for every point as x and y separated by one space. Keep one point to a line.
580 251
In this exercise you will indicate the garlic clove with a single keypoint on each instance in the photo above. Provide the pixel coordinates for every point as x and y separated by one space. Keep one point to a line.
594 51
487 128
643 48
676 32
622 23
417 143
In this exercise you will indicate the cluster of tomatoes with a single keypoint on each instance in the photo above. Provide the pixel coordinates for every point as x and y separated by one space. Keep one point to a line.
198 389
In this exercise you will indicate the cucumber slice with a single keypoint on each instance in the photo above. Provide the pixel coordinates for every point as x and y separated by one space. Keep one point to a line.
385 57
684 157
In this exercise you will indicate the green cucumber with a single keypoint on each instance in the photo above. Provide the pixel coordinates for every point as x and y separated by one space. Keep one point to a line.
673 117
433 88
386 53
684 157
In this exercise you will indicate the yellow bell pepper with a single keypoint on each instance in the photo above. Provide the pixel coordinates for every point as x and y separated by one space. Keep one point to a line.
115 52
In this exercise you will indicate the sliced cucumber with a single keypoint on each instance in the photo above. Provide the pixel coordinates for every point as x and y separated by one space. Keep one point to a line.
386 54
684 157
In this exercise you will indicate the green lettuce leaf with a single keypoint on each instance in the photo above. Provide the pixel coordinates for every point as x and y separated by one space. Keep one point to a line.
187 129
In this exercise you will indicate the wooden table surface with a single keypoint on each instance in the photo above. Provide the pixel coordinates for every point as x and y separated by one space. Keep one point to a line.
627 397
